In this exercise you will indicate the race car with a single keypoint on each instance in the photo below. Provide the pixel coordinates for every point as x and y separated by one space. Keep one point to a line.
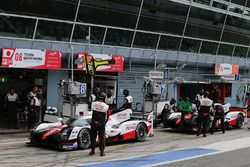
173 120
75 133
235 118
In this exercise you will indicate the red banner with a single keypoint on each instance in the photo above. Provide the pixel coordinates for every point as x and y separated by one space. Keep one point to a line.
30 58
118 66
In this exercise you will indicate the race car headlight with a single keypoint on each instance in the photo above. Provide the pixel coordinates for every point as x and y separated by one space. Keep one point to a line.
115 127
64 134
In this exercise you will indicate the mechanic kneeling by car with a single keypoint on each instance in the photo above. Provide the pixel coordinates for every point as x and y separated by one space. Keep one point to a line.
218 115
99 119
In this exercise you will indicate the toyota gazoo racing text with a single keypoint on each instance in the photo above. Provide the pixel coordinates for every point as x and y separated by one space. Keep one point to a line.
75 133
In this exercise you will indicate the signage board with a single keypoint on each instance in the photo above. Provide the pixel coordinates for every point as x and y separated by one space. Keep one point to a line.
226 69
118 65
31 58
231 77
156 74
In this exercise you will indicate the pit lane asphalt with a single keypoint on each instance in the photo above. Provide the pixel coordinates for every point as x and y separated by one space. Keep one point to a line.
15 153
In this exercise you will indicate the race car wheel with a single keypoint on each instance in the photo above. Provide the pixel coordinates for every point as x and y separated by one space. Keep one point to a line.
141 132
84 139
193 122
239 121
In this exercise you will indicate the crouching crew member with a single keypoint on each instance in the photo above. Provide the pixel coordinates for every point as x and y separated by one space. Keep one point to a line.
218 115
99 119
204 114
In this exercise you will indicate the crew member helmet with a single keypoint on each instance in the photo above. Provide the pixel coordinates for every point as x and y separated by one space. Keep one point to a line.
202 92
172 101
206 93
96 91
101 96
109 93
125 92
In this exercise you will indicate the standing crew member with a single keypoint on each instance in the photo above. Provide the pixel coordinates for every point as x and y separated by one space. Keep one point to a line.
11 107
110 100
127 103
218 115
198 97
92 98
216 94
99 119
34 107
185 107
205 105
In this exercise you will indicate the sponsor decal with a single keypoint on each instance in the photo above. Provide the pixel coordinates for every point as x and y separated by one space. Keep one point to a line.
121 115
98 107
130 128
73 145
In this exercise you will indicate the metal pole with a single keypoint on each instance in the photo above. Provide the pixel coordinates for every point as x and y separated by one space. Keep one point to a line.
155 56
156 49
133 38
91 77
72 63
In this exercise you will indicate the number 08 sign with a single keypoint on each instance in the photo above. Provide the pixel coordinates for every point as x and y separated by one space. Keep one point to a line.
30 58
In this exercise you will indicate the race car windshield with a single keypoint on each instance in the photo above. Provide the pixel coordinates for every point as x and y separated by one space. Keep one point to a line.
80 122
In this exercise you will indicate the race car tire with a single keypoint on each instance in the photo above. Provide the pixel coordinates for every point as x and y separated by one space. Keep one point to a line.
239 121
141 132
83 139
194 123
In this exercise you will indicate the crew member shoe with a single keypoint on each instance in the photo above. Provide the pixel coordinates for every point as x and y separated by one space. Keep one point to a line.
102 153
92 152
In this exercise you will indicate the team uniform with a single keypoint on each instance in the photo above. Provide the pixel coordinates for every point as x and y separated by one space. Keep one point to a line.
110 101
219 115
205 105
34 109
99 119
127 102
11 100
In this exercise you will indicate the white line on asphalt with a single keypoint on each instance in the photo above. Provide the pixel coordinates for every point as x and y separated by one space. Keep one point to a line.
183 159
223 147
14 142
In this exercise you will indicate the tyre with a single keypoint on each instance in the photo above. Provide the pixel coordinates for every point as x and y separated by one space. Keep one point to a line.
194 123
239 121
141 132
84 140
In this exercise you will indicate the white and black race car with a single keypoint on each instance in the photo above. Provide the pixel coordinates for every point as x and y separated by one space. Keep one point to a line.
75 133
